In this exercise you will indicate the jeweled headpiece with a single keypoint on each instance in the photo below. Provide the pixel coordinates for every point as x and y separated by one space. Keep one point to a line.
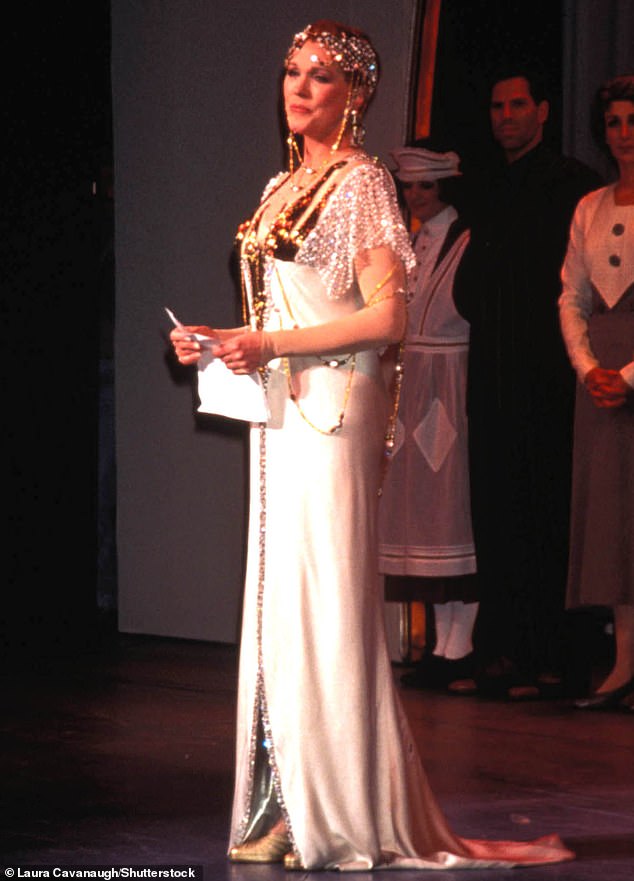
353 52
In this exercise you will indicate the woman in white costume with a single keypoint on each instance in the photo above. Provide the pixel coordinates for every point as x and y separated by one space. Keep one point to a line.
327 774
426 548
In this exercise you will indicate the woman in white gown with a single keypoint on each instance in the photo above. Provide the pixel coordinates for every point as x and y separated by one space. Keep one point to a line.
327 773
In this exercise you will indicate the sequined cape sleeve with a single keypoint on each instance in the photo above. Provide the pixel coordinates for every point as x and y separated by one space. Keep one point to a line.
361 214
275 181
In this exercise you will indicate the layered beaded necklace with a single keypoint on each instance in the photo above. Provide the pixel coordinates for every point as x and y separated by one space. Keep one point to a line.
283 238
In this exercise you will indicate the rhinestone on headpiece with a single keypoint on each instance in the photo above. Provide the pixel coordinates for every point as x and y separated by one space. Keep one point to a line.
354 54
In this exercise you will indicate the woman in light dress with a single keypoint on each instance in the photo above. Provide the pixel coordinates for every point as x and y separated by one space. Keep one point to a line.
426 548
327 772
597 320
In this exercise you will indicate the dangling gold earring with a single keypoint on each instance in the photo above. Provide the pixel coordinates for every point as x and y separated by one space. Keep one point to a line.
344 121
358 129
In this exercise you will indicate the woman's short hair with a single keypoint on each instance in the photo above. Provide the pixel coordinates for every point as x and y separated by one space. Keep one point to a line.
619 88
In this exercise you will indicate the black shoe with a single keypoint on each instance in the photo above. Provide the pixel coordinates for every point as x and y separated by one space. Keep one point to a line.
429 672
546 687
496 678
461 668
463 687
605 700
626 704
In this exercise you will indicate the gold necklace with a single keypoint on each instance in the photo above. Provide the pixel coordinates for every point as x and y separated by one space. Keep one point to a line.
331 363
390 434
309 170
282 229
291 393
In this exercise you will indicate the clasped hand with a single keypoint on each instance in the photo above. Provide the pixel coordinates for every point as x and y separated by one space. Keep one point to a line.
242 350
607 388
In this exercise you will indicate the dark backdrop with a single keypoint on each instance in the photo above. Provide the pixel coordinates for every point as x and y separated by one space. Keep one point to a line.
57 134
476 39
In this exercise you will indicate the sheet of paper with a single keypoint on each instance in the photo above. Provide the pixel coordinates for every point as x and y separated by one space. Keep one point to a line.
223 393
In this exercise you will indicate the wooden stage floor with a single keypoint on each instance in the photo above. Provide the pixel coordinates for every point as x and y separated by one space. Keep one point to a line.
122 756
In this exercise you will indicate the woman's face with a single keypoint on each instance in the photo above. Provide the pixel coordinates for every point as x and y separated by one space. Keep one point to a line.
422 199
619 130
315 93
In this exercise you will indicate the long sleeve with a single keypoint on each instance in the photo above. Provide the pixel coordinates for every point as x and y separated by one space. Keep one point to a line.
600 256
575 302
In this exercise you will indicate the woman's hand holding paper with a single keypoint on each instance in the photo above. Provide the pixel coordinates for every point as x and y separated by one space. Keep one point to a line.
245 351
191 340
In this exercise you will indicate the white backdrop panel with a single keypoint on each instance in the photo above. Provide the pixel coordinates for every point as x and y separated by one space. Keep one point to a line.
196 136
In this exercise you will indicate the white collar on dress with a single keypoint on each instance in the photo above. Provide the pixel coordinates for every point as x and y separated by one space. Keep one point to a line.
439 222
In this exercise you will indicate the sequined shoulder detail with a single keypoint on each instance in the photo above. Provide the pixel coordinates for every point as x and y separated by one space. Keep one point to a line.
362 213
295 222
276 181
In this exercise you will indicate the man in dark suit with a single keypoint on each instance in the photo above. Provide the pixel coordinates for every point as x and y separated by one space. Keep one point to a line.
520 389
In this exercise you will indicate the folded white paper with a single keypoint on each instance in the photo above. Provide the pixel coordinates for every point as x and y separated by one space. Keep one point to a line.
224 393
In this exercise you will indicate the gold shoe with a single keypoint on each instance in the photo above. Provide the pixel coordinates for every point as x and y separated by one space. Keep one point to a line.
292 862
270 848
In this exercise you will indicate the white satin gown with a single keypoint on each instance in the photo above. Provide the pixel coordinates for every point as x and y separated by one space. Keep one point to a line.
321 734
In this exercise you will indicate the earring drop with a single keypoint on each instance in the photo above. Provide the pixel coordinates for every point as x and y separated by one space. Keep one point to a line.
358 129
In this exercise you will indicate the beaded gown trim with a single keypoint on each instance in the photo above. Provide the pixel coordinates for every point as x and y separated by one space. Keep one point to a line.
260 710
365 199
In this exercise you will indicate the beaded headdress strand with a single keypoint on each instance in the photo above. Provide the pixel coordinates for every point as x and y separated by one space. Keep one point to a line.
353 53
